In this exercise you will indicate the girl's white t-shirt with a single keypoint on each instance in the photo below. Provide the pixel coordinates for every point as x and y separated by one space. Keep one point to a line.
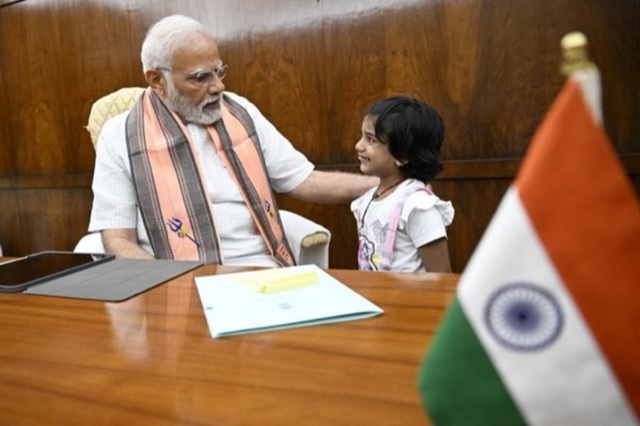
423 219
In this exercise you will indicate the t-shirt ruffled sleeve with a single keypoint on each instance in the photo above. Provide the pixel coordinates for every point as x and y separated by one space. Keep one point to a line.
424 201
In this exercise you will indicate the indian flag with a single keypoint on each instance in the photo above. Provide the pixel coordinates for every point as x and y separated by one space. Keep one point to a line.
545 325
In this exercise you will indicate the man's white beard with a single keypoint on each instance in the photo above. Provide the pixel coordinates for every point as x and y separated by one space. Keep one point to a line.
187 110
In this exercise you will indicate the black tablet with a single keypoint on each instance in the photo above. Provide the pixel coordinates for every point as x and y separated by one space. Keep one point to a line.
18 274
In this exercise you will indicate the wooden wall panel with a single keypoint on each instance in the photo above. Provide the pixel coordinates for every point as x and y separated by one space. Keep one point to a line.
491 68
312 67
60 57
57 57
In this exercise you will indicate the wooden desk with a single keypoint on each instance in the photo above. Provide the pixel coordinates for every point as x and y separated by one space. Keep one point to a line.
151 360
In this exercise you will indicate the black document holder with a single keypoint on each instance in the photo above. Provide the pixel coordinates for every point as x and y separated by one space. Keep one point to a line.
114 281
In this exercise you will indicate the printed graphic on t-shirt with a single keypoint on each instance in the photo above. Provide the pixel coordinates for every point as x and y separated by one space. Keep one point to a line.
370 243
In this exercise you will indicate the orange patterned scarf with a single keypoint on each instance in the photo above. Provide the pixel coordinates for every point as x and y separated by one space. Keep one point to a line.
171 189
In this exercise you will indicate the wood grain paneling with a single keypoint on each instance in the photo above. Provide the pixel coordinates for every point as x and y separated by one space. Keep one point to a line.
61 56
57 57
312 67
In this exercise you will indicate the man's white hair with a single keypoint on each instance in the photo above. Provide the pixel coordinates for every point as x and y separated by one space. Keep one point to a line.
165 37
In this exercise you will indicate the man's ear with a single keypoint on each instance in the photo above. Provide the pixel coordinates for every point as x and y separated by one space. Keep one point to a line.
156 80
401 163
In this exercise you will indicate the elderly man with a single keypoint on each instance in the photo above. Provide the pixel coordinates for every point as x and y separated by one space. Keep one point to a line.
189 172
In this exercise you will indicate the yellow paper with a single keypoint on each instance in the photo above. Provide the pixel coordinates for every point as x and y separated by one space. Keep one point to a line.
276 280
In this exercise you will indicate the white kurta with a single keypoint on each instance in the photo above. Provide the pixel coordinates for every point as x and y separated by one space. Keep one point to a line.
115 203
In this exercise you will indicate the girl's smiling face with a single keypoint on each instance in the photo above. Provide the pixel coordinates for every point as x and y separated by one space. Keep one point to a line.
373 154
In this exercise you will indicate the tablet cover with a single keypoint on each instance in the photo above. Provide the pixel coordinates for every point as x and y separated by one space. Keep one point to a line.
115 280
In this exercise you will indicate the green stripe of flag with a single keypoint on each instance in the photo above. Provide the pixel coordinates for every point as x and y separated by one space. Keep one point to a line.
458 382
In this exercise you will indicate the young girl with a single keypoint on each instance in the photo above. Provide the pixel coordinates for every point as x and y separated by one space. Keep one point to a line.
402 223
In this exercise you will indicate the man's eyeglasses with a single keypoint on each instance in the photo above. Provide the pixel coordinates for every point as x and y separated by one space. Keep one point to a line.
204 78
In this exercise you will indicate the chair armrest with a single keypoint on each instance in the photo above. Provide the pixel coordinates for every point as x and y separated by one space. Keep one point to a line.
308 240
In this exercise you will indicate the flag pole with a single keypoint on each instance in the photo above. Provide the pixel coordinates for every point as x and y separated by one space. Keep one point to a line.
577 66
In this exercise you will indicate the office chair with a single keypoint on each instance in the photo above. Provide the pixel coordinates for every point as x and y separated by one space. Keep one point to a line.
309 241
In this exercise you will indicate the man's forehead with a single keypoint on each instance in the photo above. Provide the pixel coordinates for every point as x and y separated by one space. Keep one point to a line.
201 53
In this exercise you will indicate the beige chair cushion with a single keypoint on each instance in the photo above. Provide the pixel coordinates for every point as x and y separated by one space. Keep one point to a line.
109 106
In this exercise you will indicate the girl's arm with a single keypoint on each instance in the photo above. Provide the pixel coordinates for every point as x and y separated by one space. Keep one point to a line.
435 256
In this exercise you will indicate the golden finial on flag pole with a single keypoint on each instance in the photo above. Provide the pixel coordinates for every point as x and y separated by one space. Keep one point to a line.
575 56
577 66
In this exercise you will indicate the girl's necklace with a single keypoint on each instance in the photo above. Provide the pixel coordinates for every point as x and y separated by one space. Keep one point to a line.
379 193
375 196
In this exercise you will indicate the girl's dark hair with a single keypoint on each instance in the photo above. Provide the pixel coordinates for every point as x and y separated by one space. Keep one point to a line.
414 132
